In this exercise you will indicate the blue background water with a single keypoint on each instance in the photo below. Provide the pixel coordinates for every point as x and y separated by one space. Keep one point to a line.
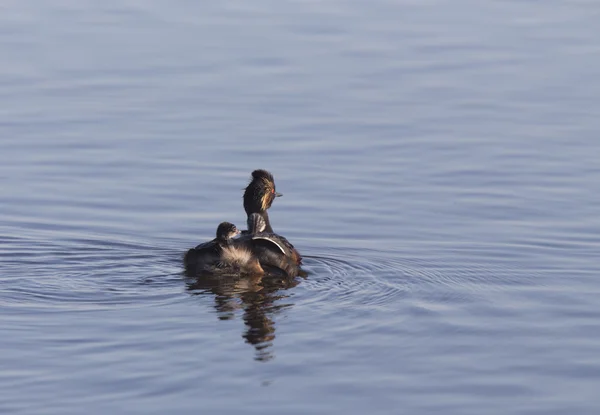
439 161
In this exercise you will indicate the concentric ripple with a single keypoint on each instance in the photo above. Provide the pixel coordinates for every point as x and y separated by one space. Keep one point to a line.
370 279
94 274
348 279
85 275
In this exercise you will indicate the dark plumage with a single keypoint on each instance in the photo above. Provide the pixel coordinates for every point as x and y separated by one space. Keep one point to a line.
257 248
271 249
259 195
222 255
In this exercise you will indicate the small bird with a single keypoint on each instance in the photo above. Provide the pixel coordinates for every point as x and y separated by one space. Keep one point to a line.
223 255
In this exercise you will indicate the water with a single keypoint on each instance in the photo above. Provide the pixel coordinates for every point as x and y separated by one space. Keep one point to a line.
439 165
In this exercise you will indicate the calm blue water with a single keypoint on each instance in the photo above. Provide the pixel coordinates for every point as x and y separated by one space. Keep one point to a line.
439 162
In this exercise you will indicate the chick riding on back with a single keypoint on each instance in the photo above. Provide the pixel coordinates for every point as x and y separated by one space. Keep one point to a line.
223 255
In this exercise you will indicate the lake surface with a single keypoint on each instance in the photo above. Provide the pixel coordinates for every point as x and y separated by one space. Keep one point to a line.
439 162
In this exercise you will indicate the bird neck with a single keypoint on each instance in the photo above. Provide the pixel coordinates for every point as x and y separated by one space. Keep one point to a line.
265 216
224 241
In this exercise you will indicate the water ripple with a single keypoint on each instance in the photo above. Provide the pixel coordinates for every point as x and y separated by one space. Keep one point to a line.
353 281
369 279
86 275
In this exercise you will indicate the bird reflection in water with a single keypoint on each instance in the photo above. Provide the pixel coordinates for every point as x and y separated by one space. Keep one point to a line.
256 296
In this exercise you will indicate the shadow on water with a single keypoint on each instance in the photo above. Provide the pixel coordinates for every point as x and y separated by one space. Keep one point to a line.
259 298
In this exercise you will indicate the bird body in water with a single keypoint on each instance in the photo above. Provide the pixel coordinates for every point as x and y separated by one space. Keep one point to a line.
258 198
271 249
256 248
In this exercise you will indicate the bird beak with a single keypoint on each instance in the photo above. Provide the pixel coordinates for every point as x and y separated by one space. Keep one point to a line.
277 194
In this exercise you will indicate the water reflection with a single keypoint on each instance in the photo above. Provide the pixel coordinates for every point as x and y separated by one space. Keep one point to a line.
260 298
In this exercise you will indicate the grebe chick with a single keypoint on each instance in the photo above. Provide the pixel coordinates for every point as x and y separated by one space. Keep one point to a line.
223 255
